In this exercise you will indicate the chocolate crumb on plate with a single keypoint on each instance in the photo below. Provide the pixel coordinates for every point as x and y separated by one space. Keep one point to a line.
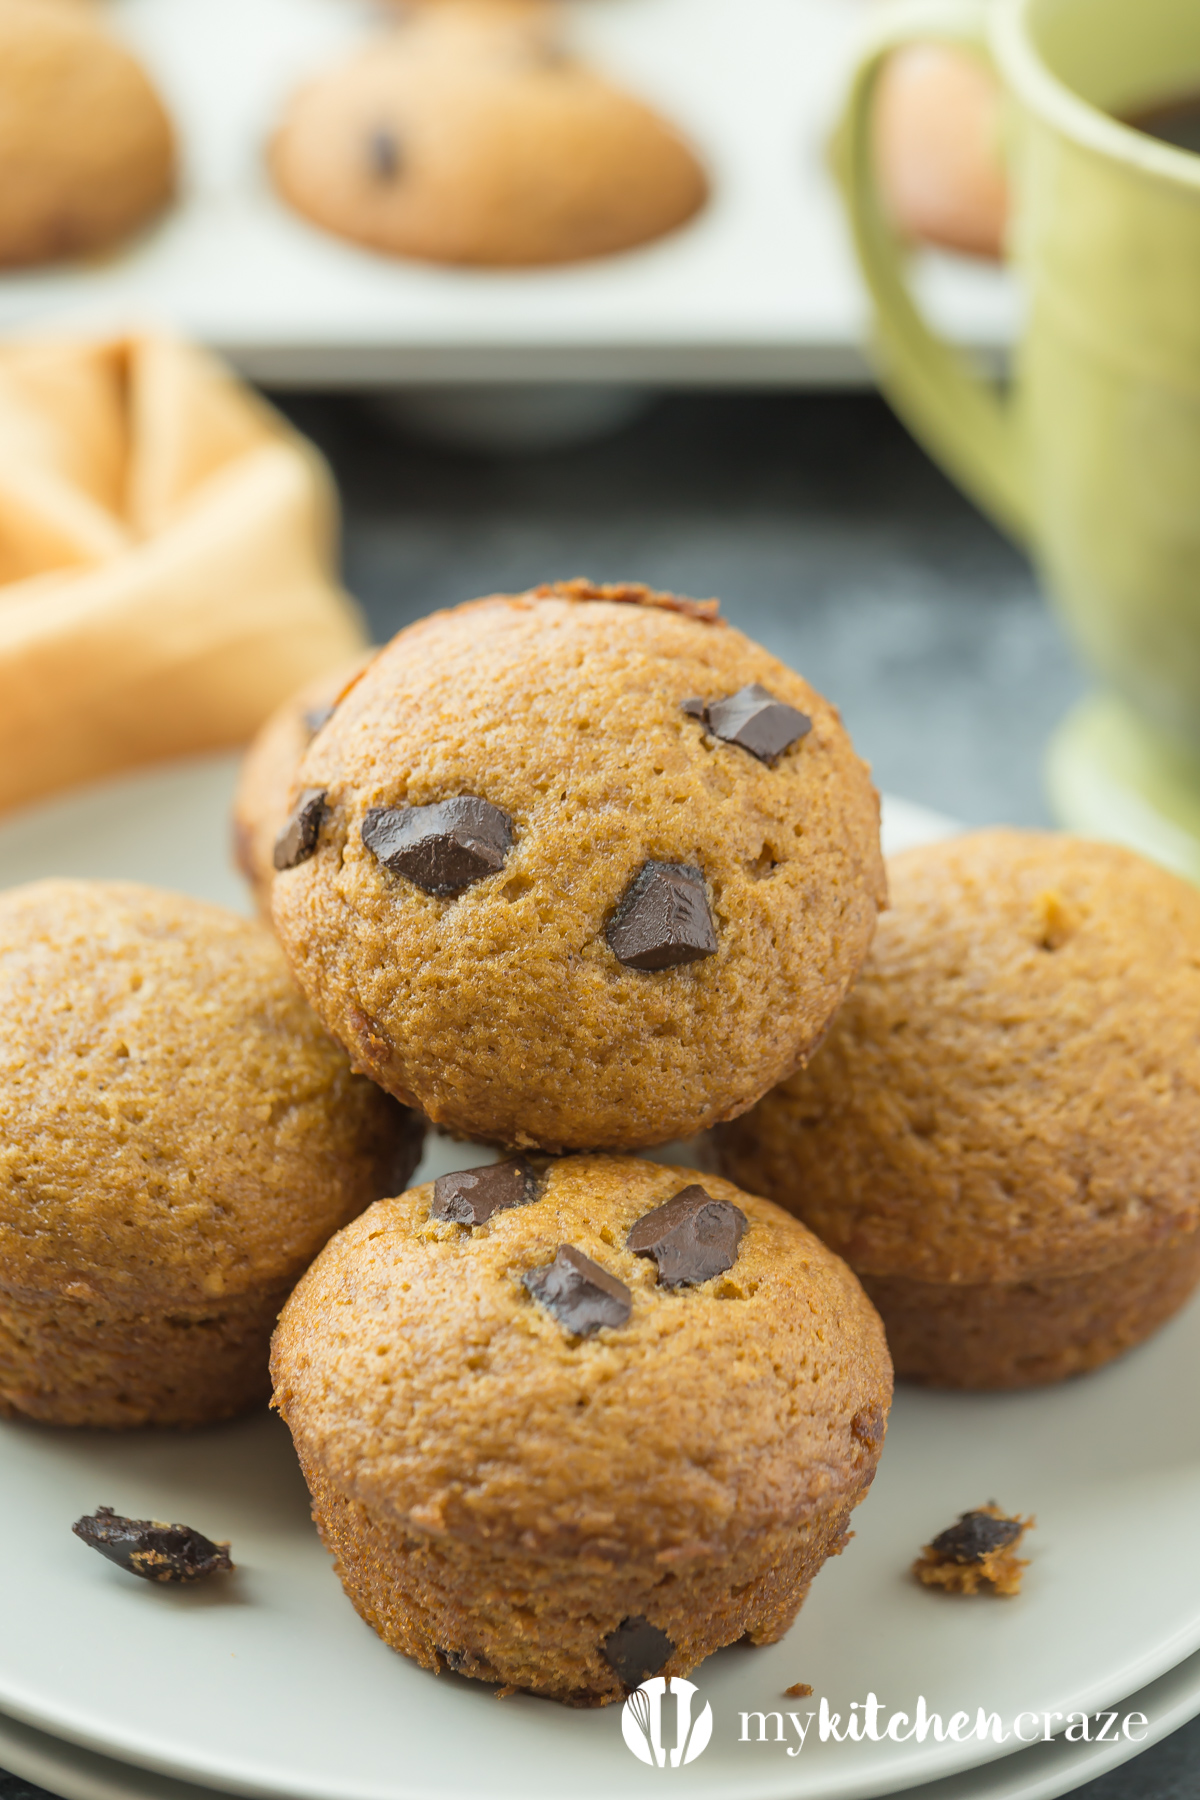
580 1294
799 1690
472 1196
298 839
150 1548
691 1237
636 1650
663 920
756 721
977 1553
441 848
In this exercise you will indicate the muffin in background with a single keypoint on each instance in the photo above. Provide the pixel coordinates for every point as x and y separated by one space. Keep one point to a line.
266 782
937 145
579 868
178 1138
1001 1133
570 1424
87 152
469 135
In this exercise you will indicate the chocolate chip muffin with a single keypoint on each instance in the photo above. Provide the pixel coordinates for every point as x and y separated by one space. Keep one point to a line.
571 1424
1001 1133
178 1139
86 148
469 135
267 779
578 868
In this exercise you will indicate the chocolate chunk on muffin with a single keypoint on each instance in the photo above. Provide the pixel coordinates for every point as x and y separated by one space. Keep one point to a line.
178 1138
471 136
540 1463
554 909
1001 1133
266 791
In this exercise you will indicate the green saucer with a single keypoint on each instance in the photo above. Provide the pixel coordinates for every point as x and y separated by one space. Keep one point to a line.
1108 777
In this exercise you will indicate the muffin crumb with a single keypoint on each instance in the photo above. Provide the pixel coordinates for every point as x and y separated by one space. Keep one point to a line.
799 1690
977 1554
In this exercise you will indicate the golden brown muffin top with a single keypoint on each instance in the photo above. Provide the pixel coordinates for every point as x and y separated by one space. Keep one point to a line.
174 1121
415 1367
502 1009
267 777
1013 1088
471 136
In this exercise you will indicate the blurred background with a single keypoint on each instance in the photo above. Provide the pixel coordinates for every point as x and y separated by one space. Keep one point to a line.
657 369
823 528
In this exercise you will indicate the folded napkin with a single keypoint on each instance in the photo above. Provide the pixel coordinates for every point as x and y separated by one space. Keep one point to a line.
166 560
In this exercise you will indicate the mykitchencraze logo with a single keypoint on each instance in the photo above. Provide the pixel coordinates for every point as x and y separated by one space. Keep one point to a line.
645 1722
663 1724
869 1720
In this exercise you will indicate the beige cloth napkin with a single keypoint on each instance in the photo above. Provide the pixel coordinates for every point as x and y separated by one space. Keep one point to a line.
166 560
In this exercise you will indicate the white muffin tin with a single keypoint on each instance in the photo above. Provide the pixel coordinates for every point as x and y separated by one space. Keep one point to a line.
760 289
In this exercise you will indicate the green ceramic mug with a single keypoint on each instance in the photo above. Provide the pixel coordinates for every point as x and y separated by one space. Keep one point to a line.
1091 454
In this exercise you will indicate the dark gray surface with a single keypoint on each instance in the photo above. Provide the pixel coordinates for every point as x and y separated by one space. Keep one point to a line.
828 536
825 533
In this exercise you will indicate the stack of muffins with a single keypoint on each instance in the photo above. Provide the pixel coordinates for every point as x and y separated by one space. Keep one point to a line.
573 873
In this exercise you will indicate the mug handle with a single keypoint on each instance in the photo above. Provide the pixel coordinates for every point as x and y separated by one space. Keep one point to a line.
963 419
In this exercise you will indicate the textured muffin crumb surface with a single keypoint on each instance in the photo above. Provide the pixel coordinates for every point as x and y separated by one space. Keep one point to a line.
503 1010
178 1138
470 1457
1001 1132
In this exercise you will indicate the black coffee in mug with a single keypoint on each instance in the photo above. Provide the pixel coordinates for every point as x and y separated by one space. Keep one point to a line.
1174 121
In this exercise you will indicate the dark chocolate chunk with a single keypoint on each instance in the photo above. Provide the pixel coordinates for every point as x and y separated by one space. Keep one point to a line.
317 716
151 1549
471 1196
695 708
754 720
974 1536
383 154
636 1650
663 919
442 848
582 1296
298 839
691 1238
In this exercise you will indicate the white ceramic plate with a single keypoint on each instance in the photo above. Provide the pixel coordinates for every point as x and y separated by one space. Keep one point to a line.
1042 1772
267 1683
761 288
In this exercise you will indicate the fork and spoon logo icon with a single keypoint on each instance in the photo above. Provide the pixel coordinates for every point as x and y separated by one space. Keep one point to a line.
642 1723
